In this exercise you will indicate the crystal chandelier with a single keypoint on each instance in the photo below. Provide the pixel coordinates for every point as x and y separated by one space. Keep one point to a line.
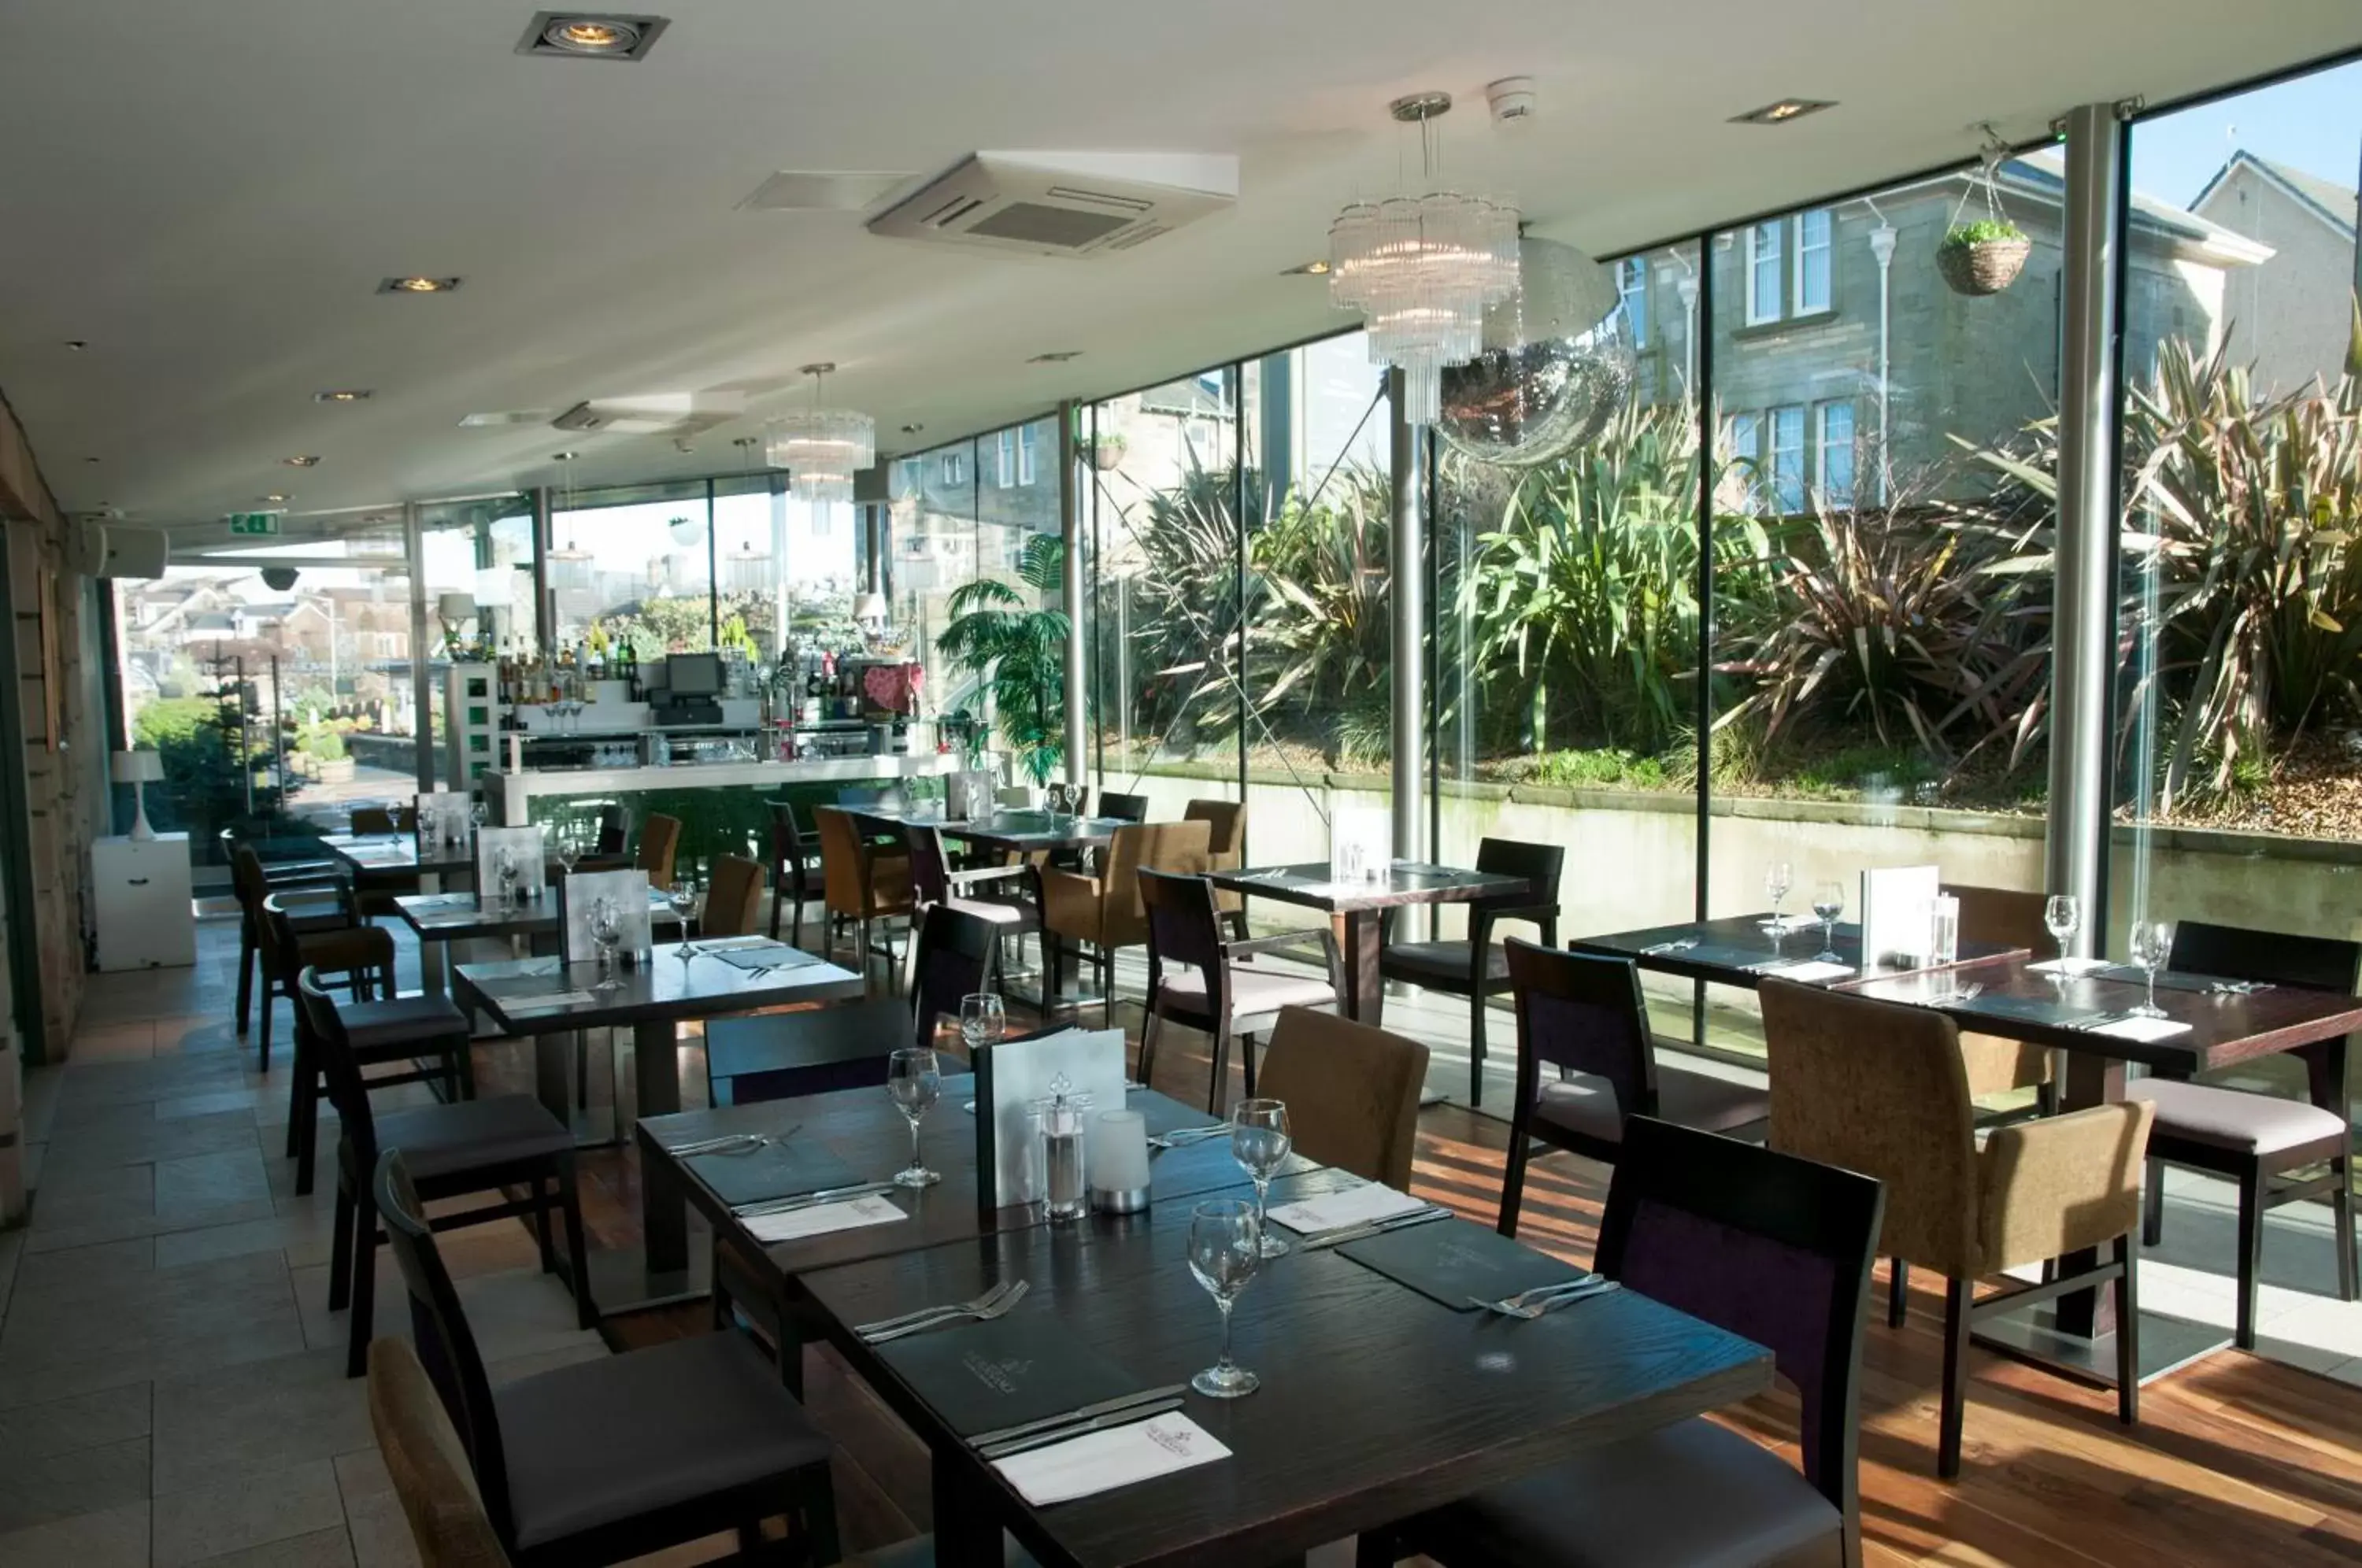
1422 269
821 448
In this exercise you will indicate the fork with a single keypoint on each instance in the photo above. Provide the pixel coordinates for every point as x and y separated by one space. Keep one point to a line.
1015 1294
1183 1137
732 1143
1960 994
1534 1304
900 1320
1684 945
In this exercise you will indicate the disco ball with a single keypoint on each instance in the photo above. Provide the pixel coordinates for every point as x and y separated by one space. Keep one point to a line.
1557 363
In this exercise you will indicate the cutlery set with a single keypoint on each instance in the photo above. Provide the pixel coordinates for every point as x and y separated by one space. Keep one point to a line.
732 1143
810 1199
1684 945
992 1304
1078 1422
1403 1222
1186 1137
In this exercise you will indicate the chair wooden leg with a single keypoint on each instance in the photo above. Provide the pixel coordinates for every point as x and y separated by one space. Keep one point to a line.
341 1251
1216 1090
578 1254
542 1199
1957 1294
245 971
1247 1062
1150 1028
463 1050
363 1324
2341 1206
1377 1549
1898 1292
270 1006
819 1515
2153 1206
2251 1253
1476 1048
1513 1183
2127 1332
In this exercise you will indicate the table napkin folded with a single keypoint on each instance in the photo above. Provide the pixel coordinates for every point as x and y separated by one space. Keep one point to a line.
2144 1029
2067 965
822 1218
1354 1206
1101 1461
1804 973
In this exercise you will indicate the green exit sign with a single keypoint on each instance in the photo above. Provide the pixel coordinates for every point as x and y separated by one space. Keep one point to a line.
261 524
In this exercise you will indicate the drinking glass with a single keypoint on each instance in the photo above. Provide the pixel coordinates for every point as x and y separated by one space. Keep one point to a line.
1260 1142
606 932
569 845
913 1080
1225 1252
683 896
2152 945
983 1021
2062 916
1828 902
1777 880
479 812
504 864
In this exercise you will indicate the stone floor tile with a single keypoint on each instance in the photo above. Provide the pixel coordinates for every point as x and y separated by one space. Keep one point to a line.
55 1487
210 1521
90 1272
148 1140
302 1232
205 1182
12 1250
133 1042
226 1425
281 1333
66 1426
192 1302
42 1085
116 1538
321 1549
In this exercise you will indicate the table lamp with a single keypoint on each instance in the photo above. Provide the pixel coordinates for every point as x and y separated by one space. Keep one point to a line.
138 769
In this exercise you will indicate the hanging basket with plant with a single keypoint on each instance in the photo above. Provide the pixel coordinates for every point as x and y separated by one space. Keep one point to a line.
1985 255
1107 451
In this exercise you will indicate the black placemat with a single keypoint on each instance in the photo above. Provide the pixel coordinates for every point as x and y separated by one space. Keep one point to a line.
1735 958
775 1170
1451 1261
2030 1009
755 959
1006 1373
2167 979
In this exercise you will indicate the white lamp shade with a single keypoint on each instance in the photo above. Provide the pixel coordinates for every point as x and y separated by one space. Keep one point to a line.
136 767
869 607
456 607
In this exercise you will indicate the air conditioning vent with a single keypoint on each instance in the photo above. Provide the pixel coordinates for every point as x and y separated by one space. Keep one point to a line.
652 413
1064 204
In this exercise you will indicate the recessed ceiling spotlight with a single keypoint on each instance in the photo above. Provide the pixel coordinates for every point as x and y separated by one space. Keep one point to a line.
417 285
913 429
1781 113
274 498
90 459
346 395
586 36
76 344
1055 356
307 462
1309 269
746 441
563 457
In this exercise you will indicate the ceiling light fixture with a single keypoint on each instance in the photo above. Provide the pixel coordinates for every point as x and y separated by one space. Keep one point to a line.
1315 268
563 457
1055 356
913 429
306 462
587 36
821 448
348 394
1422 269
274 498
417 285
1781 113
76 344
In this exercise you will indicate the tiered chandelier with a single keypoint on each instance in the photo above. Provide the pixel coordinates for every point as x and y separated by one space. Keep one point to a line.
1422 269
821 448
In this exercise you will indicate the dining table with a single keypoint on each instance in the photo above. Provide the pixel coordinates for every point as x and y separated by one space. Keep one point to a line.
1357 910
400 861
1012 832
1744 950
549 1001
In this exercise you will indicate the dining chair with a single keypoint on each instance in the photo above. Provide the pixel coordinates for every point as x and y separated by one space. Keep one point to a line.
1017 797
454 1150
1226 848
371 822
794 858
660 843
2007 917
1200 978
1472 966
1122 808
616 1457
614 829
427 1037
321 885
344 944
427 1464
953 956
1004 895
1584 1015
733 899
1103 913
862 883
1881 1087
1352 1092
2258 1140
1776 1249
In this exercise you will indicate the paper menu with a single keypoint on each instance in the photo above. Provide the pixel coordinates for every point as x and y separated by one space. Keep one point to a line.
579 896
1010 1077
1361 844
1355 1206
524 845
443 818
1101 1461
1894 900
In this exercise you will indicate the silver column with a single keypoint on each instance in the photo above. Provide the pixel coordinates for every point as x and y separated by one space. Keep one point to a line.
2083 615
422 679
1070 529
1407 565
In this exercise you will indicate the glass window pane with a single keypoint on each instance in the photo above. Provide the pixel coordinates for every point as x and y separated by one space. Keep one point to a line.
1835 455
1813 260
1788 458
1766 273
633 564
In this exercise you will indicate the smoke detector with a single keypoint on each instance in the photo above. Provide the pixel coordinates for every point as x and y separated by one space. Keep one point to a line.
1511 99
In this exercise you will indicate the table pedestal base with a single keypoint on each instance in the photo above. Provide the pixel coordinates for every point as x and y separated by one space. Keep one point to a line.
2033 1336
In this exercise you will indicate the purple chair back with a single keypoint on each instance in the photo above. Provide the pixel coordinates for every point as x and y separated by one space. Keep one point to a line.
931 881
1584 1013
1774 1248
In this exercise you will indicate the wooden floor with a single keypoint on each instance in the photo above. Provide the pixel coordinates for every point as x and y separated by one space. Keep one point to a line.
2237 1459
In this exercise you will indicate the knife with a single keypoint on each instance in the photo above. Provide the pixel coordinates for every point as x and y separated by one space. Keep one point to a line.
1124 1418
1068 1417
1380 1228
806 1199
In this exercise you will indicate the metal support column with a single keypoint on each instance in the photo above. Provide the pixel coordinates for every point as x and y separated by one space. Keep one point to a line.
1070 529
2083 614
1406 589
545 611
422 678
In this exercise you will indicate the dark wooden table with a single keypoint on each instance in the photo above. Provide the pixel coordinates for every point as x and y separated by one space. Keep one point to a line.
381 860
650 999
1739 951
1357 910
1019 832
1376 1403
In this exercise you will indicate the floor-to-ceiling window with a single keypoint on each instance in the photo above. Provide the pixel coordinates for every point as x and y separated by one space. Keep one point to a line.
634 563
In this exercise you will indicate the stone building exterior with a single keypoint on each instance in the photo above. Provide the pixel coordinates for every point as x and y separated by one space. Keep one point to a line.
2290 318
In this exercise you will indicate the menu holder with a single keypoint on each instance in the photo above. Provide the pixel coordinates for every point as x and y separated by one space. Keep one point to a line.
987 1378
1458 1264
969 796
524 844
1361 844
443 818
1012 1075
1894 900
578 895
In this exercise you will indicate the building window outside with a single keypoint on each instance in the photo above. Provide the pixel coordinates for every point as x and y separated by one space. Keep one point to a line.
1787 279
1835 439
1765 273
1788 457
1025 469
955 467
1814 230
1632 283
1004 461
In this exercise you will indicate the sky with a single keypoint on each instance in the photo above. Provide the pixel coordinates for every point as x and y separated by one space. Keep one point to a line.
2314 123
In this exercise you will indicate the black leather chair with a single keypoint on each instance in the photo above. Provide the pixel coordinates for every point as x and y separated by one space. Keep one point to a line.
2258 1140
1474 967
1215 989
1772 1247
605 1460
1123 807
794 859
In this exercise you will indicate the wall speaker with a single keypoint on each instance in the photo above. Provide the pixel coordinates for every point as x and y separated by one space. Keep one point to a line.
133 552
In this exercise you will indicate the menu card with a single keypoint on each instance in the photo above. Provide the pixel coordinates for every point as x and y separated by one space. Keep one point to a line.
822 1218
1361 844
443 818
2144 1029
984 1376
1010 1077
1101 1461
1894 900
580 894
524 847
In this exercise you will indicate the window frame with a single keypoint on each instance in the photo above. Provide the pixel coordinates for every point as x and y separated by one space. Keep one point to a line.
1632 289
1781 496
1798 307
1755 232
955 469
1028 464
1004 459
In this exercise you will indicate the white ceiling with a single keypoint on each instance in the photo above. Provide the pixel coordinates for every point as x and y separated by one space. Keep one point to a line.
209 194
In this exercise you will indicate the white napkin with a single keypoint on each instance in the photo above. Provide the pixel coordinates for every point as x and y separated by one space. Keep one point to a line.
2144 1029
822 1217
1100 1461
2067 965
1354 1206
1810 969
1786 922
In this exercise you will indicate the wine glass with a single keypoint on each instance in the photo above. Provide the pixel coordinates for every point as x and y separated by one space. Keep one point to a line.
983 1021
2062 916
1828 902
1260 1142
504 866
2152 945
1225 1252
606 933
683 896
480 813
913 1080
1777 880
569 845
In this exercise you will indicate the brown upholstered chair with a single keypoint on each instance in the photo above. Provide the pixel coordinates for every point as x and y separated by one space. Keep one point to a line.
1225 850
660 843
1103 913
1199 979
1880 1088
733 899
1352 1092
2013 919
1472 966
861 882
423 1453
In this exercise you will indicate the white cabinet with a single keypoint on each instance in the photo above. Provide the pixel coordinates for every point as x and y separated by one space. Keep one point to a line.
141 889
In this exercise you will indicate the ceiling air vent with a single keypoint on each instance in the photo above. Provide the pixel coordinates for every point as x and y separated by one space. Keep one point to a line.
1064 204
652 413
